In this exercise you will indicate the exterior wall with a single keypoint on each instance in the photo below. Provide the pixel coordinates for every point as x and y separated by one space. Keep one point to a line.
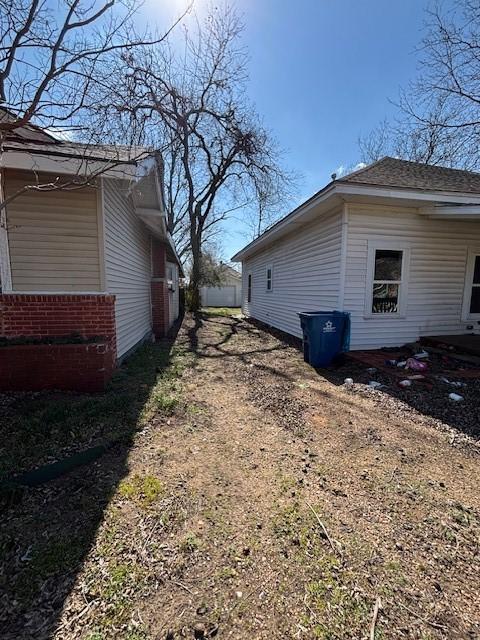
66 367
53 237
173 293
159 290
306 274
84 366
41 316
438 254
128 264
212 296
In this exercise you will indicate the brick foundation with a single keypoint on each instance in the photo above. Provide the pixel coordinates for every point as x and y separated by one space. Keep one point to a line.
81 367
66 367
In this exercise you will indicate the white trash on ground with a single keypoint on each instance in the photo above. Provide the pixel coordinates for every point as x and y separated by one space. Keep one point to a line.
455 397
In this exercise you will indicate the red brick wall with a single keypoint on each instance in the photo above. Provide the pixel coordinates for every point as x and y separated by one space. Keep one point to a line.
57 315
159 297
66 367
159 259
159 290
82 367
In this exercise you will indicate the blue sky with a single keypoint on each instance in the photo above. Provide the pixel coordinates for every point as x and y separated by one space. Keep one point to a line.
321 74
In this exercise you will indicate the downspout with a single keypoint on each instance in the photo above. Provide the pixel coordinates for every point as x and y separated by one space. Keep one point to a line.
5 266
343 257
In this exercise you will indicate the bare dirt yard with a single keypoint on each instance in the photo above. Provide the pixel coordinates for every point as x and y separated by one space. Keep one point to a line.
255 499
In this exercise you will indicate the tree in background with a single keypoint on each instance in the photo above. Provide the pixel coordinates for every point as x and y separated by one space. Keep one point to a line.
52 57
220 156
439 113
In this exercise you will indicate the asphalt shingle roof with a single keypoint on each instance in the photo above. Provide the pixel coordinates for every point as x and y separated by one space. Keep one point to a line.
392 172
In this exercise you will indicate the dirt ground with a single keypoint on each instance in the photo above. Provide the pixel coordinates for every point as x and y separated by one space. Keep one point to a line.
270 503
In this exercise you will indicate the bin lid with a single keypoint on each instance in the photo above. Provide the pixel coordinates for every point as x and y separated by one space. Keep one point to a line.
322 313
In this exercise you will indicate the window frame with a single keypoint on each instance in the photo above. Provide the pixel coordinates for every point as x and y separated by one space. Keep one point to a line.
269 267
472 253
249 287
373 247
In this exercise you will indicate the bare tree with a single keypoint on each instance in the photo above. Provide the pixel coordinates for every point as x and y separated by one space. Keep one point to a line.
438 119
53 59
220 152
52 56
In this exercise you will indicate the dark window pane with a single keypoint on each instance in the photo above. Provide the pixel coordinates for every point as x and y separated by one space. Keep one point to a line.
388 265
385 298
475 300
476 272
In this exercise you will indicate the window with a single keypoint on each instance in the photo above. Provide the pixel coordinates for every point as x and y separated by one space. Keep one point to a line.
249 288
387 280
471 298
269 277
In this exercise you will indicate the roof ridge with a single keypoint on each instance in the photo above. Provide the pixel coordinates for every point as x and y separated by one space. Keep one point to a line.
362 169
411 162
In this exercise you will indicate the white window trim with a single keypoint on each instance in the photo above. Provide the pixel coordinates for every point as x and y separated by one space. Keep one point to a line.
269 267
467 289
403 288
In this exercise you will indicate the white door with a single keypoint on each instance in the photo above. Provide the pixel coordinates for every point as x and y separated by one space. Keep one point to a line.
220 296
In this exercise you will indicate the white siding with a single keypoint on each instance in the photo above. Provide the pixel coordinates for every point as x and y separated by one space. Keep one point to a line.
438 253
229 294
127 266
53 237
306 274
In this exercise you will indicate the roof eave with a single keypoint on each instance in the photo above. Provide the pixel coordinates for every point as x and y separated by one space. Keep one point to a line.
283 226
67 165
344 191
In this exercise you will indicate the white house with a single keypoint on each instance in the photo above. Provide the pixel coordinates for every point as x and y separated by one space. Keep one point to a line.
84 251
397 244
228 294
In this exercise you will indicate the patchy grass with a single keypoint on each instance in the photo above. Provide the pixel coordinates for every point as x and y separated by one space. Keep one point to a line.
40 427
142 489
190 543
221 311
97 510
224 521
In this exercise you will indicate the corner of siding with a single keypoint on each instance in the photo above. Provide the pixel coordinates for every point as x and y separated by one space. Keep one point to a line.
343 256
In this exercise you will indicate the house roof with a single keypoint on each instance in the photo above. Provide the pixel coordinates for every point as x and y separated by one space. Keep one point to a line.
227 270
393 172
30 138
115 154
388 178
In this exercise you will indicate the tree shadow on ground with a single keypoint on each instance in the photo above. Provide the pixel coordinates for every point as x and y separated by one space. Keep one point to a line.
430 400
48 530
227 329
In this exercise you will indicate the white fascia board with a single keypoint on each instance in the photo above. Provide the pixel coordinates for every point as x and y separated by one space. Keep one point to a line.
448 197
154 219
81 167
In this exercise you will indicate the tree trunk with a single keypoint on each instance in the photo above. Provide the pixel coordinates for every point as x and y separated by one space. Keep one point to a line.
194 302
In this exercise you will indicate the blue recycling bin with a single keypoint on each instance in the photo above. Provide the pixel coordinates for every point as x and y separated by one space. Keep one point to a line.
325 335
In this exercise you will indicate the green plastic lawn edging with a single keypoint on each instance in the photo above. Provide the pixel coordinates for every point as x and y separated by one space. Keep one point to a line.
14 487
